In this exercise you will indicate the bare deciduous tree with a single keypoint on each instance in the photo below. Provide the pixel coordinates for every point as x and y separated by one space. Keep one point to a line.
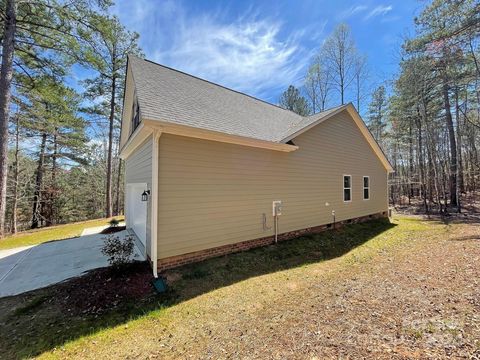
340 55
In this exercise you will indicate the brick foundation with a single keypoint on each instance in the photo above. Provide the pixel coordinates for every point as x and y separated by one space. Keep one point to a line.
179 260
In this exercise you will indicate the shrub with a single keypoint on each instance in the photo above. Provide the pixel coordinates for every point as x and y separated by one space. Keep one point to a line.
119 251
114 222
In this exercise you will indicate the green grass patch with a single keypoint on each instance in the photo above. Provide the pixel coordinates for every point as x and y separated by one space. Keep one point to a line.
52 233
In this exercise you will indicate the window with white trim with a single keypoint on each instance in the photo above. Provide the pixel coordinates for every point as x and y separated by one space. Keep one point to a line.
135 115
366 187
347 188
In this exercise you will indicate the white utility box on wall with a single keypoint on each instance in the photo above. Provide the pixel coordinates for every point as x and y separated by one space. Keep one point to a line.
277 208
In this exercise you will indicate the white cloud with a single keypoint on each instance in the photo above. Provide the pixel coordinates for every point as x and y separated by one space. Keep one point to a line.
379 11
250 54
247 56
353 10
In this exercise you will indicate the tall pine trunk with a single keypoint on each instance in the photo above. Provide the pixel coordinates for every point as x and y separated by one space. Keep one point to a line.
453 145
6 74
459 185
117 199
421 161
15 178
37 196
108 195
51 213
460 177
410 161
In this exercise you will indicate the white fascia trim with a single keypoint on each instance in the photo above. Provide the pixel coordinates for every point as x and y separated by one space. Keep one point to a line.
140 134
189 131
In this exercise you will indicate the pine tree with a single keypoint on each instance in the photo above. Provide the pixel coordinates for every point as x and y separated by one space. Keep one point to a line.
293 101
50 112
377 111
105 49
32 32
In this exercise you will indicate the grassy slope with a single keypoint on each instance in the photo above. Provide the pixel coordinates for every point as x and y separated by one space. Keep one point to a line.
256 289
58 232
225 305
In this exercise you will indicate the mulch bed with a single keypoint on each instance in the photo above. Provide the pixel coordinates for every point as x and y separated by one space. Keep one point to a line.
104 289
113 229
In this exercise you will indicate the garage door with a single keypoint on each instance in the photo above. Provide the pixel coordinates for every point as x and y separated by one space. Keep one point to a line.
137 210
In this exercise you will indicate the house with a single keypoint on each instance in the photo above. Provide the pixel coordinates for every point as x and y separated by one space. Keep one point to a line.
207 167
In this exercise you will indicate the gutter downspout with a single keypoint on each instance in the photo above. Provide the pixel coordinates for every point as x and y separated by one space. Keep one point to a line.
154 200
276 228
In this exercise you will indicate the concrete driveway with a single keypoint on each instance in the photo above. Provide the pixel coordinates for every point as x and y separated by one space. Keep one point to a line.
33 267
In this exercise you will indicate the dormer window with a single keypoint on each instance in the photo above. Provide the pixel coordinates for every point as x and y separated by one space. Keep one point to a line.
135 115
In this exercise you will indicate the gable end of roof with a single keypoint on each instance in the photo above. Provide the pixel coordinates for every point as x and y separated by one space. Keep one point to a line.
358 121
180 100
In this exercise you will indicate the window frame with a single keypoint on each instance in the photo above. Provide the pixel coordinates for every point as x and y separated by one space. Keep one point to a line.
135 116
349 188
366 187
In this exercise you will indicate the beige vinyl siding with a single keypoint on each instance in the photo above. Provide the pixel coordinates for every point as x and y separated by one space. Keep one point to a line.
138 169
212 193
138 166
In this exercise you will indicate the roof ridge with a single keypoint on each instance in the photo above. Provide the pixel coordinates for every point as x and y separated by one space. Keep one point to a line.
329 109
219 85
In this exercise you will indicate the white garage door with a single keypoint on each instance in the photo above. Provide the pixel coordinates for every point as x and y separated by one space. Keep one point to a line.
137 210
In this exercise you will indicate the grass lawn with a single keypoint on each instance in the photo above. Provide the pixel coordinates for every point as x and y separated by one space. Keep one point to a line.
59 232
406 289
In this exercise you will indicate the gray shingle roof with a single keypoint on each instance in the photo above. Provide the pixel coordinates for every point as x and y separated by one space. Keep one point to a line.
173 96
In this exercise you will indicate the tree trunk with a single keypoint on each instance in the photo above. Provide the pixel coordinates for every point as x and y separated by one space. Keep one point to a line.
394 187
37 196
51 214
410 161
460 186
433 161
430 172
108 199
421 162
313 91
6 74
453 145
358 92
15 179
341 74
342 91
117 200
461 182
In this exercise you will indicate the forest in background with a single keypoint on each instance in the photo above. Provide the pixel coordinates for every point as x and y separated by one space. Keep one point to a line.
59 141
59 159
427 119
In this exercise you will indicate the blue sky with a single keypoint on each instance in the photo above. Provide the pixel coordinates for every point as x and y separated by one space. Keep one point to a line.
262 47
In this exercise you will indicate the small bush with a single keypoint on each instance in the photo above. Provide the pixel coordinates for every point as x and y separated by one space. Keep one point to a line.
119 251
114 222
